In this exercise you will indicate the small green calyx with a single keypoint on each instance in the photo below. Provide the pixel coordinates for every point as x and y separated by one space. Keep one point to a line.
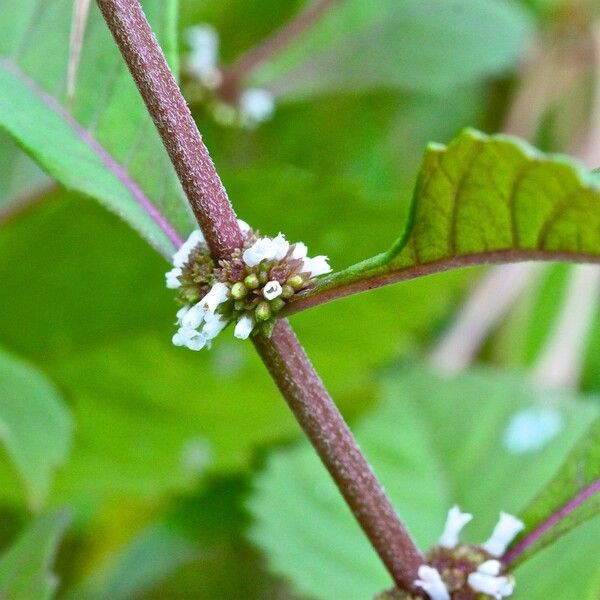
251 282
239 290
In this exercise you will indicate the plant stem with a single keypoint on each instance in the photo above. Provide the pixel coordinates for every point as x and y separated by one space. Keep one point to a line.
325 427
282 354
175 124
273 44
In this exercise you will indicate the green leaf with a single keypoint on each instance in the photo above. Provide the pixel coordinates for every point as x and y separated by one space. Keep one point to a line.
484 199
21 179
571 498
25 568
35 426
103 143
423 45
433 442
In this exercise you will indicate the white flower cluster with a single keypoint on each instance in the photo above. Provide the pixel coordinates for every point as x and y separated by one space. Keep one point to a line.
200 323
255 105
486 579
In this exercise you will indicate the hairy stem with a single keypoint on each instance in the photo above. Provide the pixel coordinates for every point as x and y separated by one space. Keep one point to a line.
282 354
329 434
269 47
175 124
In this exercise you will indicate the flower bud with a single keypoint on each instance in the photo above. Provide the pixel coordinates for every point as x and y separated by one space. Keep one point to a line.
251 282
263 312
238 290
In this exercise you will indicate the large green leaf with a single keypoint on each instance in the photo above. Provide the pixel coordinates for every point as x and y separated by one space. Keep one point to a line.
25 568
484 199
424 45
35 426
571 498
103 143
433 442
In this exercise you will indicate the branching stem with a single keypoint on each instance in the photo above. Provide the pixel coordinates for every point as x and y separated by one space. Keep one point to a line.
284 357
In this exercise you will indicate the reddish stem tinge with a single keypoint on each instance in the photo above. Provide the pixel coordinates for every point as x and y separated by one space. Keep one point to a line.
282 354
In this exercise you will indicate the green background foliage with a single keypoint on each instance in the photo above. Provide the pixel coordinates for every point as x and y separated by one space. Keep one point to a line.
167 459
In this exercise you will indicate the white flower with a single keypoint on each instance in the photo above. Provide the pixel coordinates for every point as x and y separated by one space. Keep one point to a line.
244 327
532 428
316 266
181 256
213 325
504 533
193 317
181 313
217 295
172 278
300 250
204 57
272 290
431 581
190 338
256 105
262 249
281 246
487 581
454 523
244 227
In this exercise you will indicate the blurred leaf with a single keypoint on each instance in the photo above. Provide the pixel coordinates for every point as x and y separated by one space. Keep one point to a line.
35 426
25 568
19 176
571 498
488 199
424 45
103 144
433 442
152 556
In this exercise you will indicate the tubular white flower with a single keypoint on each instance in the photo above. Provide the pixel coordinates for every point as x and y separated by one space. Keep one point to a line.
257 105
300 250
244 327
190 338
181 256
316 266
272 290
181 313
454 523
281 246
213 325
487 581
193 317
431 581
504 533
217 295
262 249
244 227
172 278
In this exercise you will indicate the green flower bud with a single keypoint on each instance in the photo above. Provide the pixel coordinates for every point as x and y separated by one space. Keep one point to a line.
263 277
296 282
238 290
251 281
263 311
277 304
287 291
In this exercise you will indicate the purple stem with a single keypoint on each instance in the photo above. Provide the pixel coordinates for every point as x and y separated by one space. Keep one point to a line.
533 537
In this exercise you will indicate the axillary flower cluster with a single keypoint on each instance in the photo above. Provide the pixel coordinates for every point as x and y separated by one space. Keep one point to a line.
456 571
248 288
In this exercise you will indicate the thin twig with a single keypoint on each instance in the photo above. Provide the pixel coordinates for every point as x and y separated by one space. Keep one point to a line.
274 44
282 354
